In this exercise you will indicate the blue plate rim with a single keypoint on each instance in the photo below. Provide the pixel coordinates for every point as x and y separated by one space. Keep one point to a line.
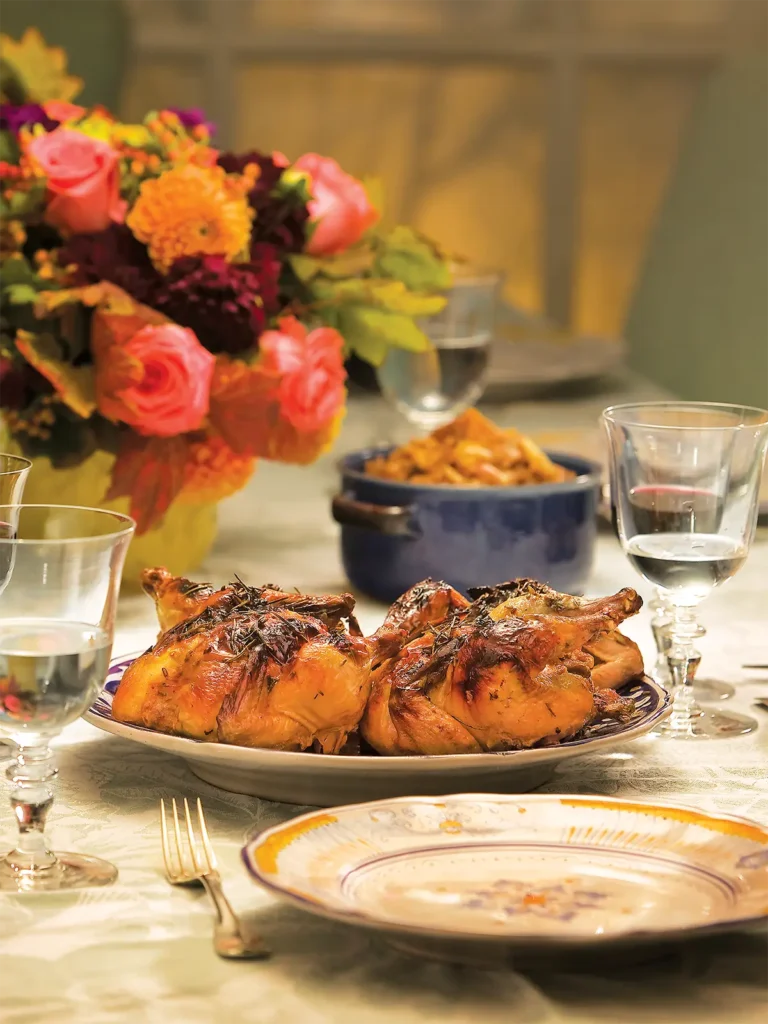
660 698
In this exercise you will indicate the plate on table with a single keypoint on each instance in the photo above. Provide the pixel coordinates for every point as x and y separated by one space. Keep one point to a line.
529 355
325 779
479 874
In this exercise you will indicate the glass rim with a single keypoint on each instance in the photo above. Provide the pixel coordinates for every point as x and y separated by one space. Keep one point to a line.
25 464
761 415
127 530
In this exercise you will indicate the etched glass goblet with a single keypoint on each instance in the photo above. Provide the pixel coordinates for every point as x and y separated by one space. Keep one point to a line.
57 617
686 479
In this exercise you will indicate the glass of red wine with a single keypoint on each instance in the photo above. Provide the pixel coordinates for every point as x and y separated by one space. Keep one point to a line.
685 480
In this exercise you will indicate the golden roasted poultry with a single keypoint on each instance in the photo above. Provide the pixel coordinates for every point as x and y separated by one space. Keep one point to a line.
517 665
510 670
177 599
617 659
253 666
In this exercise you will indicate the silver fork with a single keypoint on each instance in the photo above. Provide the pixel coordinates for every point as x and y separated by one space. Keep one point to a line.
195 864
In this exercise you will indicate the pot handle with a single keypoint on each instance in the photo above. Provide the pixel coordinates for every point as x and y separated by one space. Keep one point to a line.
393 520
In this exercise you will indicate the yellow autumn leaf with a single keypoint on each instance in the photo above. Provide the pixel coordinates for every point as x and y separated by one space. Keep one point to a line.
73 384
41 68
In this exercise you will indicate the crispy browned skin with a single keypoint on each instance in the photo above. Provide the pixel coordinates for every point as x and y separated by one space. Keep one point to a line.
486 678
262 675
617 659
177 599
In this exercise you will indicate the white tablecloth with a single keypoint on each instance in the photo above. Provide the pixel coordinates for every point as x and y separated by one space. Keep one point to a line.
140 952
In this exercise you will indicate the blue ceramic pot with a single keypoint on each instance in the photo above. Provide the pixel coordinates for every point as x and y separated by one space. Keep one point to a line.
395 534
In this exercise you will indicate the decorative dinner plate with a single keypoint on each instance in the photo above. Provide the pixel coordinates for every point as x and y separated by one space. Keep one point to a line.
524 872
323 780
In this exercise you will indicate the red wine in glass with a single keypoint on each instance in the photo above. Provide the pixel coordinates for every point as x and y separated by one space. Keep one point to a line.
668 508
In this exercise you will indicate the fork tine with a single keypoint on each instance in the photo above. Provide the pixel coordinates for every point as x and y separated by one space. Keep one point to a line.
177 835
210 855
164 840
191 837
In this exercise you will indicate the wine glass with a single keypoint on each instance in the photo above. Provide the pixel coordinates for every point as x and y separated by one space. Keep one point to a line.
686 478
57 617
431 388
13 476
703 689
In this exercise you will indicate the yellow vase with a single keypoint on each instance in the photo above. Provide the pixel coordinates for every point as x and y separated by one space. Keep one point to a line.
180 543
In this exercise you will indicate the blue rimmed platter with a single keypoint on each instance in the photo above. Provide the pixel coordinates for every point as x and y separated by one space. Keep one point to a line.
325 780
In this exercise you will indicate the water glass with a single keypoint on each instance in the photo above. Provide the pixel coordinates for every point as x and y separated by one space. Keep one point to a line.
431 388
685 478
57 617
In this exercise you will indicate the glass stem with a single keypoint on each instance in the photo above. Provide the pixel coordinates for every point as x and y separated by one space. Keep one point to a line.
660 623
683 660
31 775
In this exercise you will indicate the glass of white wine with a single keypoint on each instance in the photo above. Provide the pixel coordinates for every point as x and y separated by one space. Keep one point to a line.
57 615
685 478
431 388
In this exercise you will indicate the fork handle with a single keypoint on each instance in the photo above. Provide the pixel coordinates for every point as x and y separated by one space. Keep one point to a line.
228 939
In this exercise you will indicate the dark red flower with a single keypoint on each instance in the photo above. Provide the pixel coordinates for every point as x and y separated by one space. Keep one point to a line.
191 117
280 220
112 255
225 304
13 118
20 384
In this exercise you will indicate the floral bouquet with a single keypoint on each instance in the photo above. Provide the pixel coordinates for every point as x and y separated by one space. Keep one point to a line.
186 310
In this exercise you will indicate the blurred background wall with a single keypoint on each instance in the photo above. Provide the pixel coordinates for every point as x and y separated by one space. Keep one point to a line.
544 137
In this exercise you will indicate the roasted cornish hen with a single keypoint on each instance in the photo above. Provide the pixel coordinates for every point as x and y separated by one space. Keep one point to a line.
177 599
617 659
517 665
507 671
252 668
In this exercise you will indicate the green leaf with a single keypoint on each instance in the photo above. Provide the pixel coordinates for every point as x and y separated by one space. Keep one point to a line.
20 294
353 262
17 270
413 260
394 296
370 332
74 384
381 292
304 267
9 150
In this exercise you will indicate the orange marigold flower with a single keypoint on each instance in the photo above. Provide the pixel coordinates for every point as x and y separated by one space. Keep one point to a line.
213 471
189 211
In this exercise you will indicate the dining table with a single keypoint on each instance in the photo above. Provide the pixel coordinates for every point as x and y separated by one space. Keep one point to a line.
140 951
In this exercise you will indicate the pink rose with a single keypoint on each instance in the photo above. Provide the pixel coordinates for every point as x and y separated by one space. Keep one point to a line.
83 179
311 371
339 208
61 110
158 382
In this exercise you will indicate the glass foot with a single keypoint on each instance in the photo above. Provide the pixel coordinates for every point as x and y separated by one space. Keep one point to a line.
705 725
708 690
71 871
